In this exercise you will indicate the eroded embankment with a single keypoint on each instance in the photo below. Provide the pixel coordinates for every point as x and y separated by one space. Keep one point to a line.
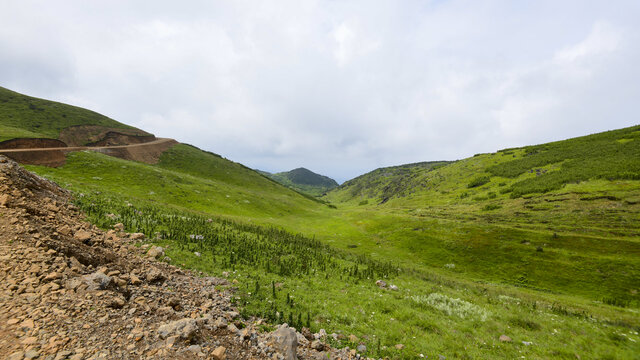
51 152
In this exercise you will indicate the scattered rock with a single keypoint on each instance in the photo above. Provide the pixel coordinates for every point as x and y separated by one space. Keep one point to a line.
4 199
97 281
317 345
64 230
353 338
361 348
154 275
82 235
505 338
134 280
381 284
393 288
399 346
117 303
137 236
307 333
31 354
18 355
53 276
219 353
185 328
155 252
285 342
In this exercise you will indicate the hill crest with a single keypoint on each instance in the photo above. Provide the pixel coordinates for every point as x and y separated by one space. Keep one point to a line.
303 180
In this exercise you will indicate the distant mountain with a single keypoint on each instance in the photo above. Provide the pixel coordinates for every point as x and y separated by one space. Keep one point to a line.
303 180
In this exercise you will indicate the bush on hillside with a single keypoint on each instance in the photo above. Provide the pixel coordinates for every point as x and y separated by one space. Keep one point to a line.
478 181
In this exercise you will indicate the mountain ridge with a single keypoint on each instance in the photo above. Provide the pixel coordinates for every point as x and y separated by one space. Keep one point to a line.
303 180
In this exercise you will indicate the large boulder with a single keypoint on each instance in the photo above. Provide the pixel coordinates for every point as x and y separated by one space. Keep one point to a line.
97 281
155 252
285 341
184 328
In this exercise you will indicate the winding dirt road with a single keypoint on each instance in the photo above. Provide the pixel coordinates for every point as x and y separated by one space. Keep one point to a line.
158 141
148 152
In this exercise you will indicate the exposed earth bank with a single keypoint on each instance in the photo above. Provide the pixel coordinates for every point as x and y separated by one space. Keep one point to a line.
36 151
72 291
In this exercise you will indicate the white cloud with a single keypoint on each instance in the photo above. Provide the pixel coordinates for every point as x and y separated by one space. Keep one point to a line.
339 87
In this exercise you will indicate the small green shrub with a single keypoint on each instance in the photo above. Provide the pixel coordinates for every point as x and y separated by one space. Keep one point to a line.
524 323
490 207
479 181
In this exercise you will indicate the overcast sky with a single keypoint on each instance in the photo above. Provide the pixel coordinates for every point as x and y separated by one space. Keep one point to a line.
339 87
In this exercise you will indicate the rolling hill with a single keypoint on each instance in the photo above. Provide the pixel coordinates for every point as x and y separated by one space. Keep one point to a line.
539 243
23 116
304 180
190 175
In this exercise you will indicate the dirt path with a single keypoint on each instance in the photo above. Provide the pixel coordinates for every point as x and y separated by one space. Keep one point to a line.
147 152
81 148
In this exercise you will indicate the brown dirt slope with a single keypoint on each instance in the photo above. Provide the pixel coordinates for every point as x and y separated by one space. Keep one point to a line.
72 291
90 135
147 152
31 143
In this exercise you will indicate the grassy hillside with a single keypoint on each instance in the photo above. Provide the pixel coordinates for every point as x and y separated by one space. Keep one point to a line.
304 180
612 155
216 185
571 205
382 184
557 270
23 116
474 253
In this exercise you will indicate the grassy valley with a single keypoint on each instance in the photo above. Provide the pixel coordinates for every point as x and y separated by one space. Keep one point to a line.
538 243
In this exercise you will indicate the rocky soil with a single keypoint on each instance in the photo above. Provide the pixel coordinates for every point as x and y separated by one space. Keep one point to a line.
72 291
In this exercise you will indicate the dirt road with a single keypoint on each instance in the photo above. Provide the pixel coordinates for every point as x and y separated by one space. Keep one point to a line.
148 152
81 148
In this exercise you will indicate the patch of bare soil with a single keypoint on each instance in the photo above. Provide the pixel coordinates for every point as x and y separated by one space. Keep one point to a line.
146 152
30 143
89 135
72 291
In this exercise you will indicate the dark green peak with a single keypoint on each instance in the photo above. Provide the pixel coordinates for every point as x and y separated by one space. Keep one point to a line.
304 176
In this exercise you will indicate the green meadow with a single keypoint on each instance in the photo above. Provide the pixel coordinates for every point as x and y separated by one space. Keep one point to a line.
539 243
557 270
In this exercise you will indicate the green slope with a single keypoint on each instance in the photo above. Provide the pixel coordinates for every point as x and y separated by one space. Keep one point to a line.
612 155
476 258
384 183
185 177
304 180
548 217
23 116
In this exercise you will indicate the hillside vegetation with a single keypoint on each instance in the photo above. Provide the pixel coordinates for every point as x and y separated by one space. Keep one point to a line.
382 184
469 255
23 116
304 180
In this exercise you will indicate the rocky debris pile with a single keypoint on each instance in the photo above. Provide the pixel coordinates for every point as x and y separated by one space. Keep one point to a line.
72 291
